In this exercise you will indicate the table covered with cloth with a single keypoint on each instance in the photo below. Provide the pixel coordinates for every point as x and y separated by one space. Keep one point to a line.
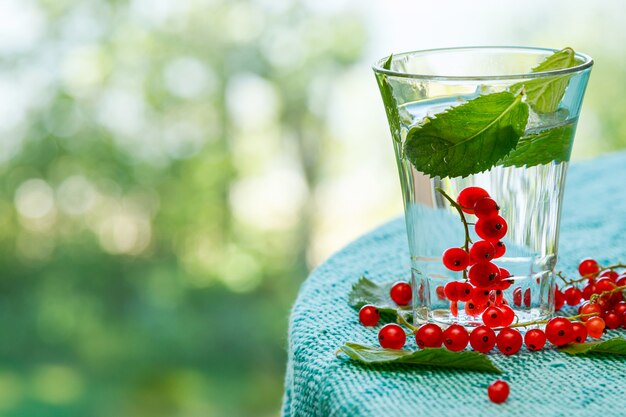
545 383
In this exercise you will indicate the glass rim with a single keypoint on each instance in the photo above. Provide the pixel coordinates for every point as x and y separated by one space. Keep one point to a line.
587 62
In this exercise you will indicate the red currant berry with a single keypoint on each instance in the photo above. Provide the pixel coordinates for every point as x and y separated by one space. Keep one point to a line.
455 338
610 274
465 291
588 268
391 336
369 315
498 391
452 290
440 292
468 197
492 317
472 308
508 315
484 274
527 299
500 249
595 327
621 280
517 296
481 251
573 296
589 290
620 308
401 293
482 339
559 331
579 332
588 308
454 308
455 259
429 336
486 208
491 229
535 339
509 341
559 299
480 295
612 320
604 284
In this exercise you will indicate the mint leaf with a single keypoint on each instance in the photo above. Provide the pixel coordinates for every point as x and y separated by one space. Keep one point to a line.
545 94
615 346
391 107
468 138
368 292
542 148
426 357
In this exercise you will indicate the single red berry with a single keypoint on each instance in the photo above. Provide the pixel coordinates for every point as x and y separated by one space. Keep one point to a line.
535 339
579 332
401 293
484 274
604 284
369 315
621 280
473 308
429 336
455 338
486 208
468 197
588 268
481 251
517 296
559 299
500 249
612 320
391 336
589 290
588 308
492 317
620 308
451 290
465 291
480 295
595 327
455 259
498 391
508 315
573 295
440 292
482 339
509 341
610 274
559 331
491 229
527 299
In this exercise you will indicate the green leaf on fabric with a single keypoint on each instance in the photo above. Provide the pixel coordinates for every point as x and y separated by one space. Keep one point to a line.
544 94
542 148
468 138
425 357
615 346
368 292
389 101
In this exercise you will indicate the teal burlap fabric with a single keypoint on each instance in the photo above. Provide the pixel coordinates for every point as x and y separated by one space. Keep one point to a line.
547 383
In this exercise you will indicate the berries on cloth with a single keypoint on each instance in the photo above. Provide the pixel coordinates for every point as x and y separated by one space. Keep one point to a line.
469 196
573 295
369 315
559 299
509 341
492 229
391 336
401 293
589 308
535 339
508 315
588 268
559 331
579 332
498 391
595 327
492 317
455 338
612 320
482 339
429 336
455 259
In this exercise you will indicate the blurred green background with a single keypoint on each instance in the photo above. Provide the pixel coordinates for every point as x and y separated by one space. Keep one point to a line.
170 170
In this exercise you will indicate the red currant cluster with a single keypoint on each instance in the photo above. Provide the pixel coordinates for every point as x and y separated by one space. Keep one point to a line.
602 294
483 293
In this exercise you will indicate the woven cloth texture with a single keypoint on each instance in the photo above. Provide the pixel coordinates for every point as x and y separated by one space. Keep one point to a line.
546 383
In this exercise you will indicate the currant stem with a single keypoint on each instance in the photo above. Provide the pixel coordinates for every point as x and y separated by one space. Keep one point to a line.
532 323
595 297
458 208
402 320
587 276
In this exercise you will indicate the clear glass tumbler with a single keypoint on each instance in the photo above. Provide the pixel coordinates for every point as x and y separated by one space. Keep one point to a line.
500 118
